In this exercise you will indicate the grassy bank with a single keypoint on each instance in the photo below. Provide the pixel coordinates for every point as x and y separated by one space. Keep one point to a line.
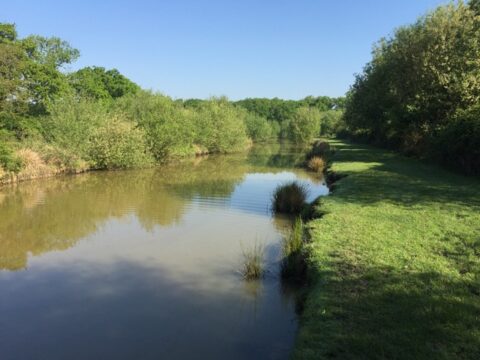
395 266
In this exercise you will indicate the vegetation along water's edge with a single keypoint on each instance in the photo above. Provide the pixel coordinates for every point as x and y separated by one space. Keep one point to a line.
58 122
393 267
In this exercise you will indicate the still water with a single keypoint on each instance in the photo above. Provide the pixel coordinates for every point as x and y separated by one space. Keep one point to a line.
144 264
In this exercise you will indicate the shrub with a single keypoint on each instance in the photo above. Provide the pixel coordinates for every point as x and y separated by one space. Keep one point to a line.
220 126
258 128
71 124
8 160
457 145
33 164
289 198
305 124
320 149
331 122
169 128
117 144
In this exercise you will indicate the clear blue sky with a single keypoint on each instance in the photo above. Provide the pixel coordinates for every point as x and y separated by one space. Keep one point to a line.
238 48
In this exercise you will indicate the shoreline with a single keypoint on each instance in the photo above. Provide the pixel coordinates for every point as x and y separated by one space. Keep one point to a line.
392 261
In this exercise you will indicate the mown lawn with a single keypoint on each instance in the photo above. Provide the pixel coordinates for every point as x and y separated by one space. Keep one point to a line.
395 262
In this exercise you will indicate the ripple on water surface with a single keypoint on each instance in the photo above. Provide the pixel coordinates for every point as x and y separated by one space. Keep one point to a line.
143 264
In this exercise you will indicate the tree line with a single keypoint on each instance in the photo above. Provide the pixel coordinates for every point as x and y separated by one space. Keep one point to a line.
96 118
420 93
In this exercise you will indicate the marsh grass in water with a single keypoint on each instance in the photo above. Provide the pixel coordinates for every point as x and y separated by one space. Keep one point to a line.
253 264
293 264
316 164
290 198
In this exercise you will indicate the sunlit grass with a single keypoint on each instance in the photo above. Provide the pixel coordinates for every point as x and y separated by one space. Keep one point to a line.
394 262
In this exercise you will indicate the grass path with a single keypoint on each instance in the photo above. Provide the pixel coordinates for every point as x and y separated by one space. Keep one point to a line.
395 264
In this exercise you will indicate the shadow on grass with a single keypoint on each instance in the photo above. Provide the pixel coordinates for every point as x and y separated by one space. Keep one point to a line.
382 313
383 176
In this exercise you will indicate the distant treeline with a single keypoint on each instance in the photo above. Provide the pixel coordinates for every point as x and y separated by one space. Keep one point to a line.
420 93
296 120
53 121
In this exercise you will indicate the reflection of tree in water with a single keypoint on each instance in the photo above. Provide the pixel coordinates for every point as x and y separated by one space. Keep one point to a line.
158 206
54 214
207 177
276 155
51 215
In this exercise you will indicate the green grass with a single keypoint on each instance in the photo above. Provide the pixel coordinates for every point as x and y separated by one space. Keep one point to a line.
395 263
293 264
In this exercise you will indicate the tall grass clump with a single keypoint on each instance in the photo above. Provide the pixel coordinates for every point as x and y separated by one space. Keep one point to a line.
293 264
253 262
319 149
289 198
316 164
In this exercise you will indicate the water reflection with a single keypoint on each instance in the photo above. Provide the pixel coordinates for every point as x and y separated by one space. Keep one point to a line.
142 264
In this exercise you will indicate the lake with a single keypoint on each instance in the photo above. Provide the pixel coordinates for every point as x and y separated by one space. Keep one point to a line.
145 264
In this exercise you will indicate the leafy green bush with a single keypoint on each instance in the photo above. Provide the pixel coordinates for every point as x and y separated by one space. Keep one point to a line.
258 128
219 126
458 144
411 95
305 125
169 127
71 124
117 144
331 122
8 161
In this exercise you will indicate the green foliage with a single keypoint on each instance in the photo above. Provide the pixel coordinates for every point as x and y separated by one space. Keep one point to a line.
220 126
213 126
51 52
98 83
117 144
12 98
168 126
458 144
8 32
280 112
332 123
71 124
8 161
305 125
258 128
418 80
289 198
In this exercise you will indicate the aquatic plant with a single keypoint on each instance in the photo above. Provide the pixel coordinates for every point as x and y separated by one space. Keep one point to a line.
253 262
316 164
293 263
289 198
